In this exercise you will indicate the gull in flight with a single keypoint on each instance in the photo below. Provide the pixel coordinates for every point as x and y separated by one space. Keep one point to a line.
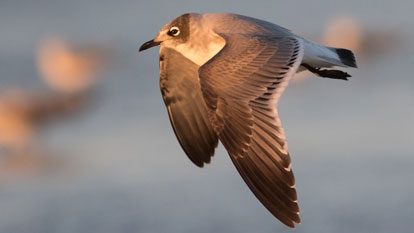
221 77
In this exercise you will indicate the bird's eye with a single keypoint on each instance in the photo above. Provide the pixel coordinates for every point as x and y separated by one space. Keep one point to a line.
174 31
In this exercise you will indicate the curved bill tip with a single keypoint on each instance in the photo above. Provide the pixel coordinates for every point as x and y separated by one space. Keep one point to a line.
148 44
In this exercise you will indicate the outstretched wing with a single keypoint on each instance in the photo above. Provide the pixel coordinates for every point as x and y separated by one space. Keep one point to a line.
180 88
241 86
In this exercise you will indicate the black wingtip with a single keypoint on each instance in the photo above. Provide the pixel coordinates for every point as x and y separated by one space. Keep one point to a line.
334 74
347 57
327 73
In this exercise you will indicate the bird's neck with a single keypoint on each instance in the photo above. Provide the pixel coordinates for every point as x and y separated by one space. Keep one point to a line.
201 47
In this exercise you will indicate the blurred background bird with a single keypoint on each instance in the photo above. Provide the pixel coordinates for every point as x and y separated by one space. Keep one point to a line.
368 43
70 73
70 69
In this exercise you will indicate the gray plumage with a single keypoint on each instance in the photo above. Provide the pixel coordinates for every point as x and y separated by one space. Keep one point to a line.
221 78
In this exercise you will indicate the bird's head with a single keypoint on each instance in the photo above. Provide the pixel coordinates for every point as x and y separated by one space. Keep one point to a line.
172 34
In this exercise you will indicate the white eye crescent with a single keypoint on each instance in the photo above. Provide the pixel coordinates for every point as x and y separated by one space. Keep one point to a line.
174 31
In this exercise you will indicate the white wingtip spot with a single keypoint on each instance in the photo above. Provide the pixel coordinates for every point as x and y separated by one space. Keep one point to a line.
288 168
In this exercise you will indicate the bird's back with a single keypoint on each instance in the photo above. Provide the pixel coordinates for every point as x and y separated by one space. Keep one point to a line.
240 24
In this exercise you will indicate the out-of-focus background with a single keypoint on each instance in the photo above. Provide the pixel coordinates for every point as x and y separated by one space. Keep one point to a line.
86 145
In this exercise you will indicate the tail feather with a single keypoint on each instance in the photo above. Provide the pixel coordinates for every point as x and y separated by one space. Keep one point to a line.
347 56
317 55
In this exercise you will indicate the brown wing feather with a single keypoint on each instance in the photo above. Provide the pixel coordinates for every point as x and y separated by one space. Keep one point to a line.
186 108
241 86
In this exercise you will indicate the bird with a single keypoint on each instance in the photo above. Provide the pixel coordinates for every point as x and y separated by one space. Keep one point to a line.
221 78
70 72
68 68
368 43
22 112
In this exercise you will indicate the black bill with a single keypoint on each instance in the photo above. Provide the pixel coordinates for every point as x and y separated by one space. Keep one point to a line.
149 44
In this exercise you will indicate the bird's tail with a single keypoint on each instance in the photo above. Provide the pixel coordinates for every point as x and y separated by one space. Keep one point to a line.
346 56
318 56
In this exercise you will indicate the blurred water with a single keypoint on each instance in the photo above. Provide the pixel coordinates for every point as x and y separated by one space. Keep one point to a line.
351 142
